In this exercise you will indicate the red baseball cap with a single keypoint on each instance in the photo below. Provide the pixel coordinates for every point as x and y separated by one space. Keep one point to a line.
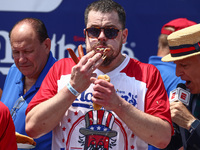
177 24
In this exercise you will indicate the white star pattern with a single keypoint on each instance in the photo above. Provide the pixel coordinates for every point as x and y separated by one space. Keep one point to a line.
105 129
98 128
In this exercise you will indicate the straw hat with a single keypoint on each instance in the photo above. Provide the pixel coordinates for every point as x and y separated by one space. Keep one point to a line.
183 43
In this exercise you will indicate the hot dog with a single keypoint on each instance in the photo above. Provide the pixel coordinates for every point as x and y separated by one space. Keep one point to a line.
104 50
104 77
80 51
73 55
24 139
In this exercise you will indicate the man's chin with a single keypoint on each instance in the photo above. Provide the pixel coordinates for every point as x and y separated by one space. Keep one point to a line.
27 74
193 91
106 62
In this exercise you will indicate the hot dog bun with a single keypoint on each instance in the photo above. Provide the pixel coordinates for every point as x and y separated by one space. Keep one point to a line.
104 77
24 139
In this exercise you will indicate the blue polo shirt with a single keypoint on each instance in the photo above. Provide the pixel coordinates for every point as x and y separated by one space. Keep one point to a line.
13 89
167 71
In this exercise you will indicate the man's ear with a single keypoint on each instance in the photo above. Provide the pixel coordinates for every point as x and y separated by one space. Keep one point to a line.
47 44
125 35
84 32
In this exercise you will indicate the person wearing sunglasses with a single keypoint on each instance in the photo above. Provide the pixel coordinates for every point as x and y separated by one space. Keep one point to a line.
135 108
30 46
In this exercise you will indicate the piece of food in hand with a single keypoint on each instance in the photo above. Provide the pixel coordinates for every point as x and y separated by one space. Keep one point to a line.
73 55
104 51
104 77
80 51
24 139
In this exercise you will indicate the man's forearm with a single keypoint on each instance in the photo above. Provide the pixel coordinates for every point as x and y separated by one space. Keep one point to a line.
151 129
46 115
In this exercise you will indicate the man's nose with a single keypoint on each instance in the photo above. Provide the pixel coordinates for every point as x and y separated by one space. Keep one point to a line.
102 35
179 71
22 57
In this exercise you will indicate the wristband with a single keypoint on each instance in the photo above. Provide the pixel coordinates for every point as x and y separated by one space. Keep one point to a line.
72 90
194 125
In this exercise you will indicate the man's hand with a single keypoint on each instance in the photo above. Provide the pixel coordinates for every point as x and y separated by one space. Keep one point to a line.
105 94
181 115
83 71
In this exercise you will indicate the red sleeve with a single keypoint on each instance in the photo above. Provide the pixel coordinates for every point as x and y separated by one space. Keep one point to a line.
7 132
156 100
49 85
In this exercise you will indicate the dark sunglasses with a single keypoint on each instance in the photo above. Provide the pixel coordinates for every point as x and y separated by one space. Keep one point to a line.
109 32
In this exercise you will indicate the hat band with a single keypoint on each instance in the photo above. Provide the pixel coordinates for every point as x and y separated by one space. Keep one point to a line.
182 50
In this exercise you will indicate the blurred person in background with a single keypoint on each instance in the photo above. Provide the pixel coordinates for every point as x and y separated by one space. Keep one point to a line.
30 45
168 69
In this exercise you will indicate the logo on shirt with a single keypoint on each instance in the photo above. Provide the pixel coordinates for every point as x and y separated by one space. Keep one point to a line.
94 130
98 131
85 100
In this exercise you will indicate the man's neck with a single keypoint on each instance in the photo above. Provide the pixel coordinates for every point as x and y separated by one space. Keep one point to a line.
28 83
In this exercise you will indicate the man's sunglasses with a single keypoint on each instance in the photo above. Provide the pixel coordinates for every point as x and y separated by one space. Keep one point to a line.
109 32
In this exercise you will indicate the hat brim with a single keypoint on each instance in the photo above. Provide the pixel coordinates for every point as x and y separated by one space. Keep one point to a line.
169 58
92 132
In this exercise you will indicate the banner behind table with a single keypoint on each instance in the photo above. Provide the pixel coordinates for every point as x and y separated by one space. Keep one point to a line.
64 20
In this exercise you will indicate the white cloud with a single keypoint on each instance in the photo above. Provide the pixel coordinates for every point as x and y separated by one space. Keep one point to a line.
29 5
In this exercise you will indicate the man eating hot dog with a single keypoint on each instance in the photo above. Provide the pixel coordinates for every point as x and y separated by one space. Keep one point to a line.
135 108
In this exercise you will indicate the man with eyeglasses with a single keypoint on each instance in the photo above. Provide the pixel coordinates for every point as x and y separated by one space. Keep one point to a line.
32 56
135 108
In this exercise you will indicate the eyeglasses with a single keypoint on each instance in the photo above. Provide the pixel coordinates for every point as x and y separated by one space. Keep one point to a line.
109 32
18 104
